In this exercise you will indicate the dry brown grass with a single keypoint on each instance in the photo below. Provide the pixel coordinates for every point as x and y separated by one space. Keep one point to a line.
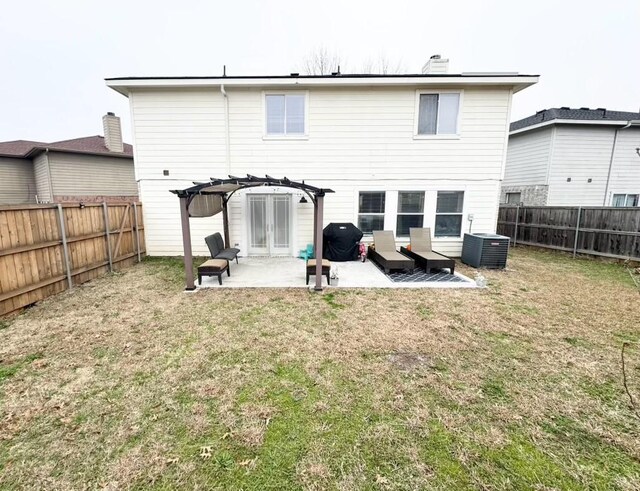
124 381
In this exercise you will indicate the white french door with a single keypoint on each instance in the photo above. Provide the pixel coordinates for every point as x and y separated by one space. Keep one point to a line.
269 224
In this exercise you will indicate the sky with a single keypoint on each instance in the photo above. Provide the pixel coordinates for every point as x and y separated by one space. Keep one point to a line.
55 54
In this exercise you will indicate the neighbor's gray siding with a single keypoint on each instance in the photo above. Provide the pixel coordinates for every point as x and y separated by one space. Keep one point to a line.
17 182
625 173
91 175
580 152
528 157
43 180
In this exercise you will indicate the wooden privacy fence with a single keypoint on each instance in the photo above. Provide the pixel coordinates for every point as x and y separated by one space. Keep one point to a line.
45 249
600 231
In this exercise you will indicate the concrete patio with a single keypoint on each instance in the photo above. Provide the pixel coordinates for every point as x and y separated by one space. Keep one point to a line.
289 272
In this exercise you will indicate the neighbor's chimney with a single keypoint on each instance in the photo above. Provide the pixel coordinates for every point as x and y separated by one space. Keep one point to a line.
436 64
112 132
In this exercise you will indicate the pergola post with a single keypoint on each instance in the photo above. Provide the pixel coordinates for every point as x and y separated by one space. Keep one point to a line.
315 220
225 223
318 242
186 243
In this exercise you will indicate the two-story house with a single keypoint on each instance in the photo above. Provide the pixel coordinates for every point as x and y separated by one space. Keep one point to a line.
400 151
574 157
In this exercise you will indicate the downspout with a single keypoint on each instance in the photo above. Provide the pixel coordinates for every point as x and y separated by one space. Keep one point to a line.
613 151
226 129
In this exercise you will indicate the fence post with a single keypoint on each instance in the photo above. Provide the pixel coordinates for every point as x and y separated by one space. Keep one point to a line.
575 240
65 247
135 221
515 231
106 233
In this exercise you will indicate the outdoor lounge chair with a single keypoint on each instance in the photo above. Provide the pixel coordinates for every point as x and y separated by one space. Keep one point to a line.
385 253
217 250
423 254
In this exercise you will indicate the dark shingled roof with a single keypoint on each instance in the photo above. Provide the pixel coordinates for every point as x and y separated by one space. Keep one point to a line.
582 114
93 145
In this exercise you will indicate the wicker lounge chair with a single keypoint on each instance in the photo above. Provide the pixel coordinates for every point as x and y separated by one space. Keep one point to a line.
386 254
423 254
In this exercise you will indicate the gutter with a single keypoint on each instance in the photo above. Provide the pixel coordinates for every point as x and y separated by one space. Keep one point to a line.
613 151
226 128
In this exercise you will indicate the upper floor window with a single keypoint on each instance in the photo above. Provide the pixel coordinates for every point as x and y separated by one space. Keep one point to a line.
371 211
620 200
285 114
449 214
438 113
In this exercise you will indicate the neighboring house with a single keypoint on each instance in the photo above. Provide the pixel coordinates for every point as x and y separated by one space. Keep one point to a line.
400 151
88 169
574 157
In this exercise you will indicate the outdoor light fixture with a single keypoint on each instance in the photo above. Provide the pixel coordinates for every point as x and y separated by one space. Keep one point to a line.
303 200
81 205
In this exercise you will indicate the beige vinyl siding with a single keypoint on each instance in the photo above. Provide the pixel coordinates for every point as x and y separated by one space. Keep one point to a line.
625 173
581 153
43 178
91 175
17 181
528 157
358 139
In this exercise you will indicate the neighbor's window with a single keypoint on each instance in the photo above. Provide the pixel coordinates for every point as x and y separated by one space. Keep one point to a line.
410 211
621 200
514 198
285 114
438 114
371 211
449 213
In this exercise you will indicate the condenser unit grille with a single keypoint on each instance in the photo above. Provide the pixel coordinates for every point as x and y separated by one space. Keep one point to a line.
485 250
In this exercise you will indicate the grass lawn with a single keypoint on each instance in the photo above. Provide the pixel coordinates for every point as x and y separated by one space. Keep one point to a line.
128 382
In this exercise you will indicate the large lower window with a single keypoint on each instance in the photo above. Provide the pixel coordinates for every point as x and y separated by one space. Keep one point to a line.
438 114
621 200
410 211
449 214
285 114
371 211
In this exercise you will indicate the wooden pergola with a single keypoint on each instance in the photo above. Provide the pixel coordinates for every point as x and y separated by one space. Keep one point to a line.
206 199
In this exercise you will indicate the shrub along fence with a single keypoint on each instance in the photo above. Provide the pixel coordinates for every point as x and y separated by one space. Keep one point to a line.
600 231
46 249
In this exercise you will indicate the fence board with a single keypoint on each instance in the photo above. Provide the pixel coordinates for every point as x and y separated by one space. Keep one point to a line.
601 231
32 263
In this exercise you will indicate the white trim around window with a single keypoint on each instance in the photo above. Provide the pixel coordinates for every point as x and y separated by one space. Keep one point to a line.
437 136
285 136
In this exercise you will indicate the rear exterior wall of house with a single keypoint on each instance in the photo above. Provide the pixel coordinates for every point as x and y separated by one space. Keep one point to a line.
17 181
357 139
91 178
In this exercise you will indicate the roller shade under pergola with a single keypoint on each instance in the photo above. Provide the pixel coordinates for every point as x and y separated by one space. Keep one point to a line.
206 199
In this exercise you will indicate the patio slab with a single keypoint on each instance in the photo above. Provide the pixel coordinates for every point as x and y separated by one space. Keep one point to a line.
289 272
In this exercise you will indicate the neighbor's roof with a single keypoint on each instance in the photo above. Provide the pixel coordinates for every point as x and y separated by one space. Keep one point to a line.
566 115
92 145
512 79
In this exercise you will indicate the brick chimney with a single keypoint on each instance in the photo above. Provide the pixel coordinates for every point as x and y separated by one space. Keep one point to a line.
112 132
436 64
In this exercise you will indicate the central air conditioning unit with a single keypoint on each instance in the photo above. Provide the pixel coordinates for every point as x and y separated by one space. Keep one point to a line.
485 250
